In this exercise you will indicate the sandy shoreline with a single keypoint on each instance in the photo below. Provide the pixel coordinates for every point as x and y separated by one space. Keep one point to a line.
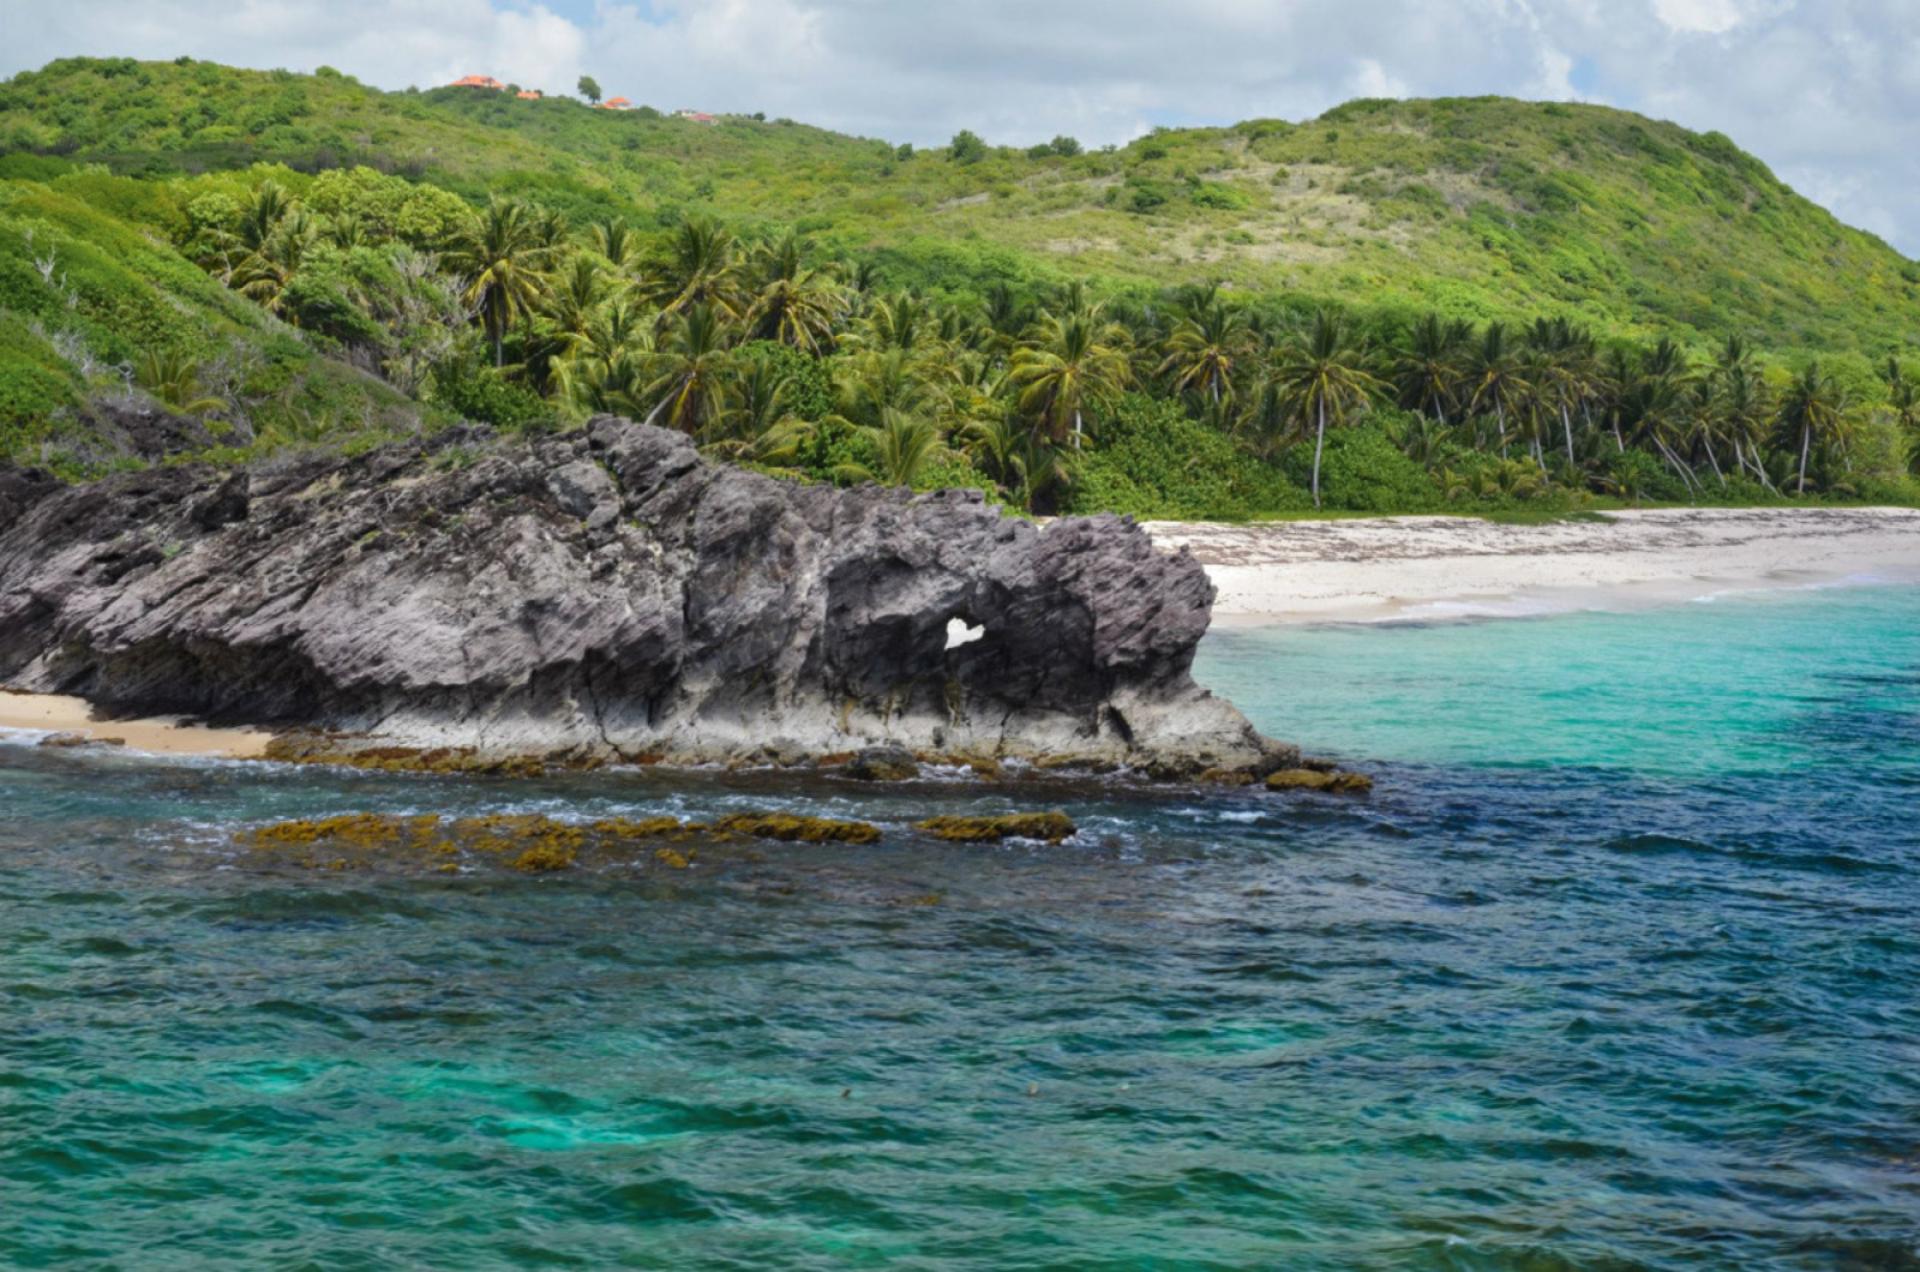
1415 567
162 735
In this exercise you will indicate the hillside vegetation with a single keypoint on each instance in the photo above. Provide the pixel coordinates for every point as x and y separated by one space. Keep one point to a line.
1480 208
1463 303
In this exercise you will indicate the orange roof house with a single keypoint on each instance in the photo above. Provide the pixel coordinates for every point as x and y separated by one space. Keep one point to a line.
477 81
616 103
529 94
697 116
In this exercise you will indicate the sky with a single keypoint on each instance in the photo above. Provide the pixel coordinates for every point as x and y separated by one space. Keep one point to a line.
1822 90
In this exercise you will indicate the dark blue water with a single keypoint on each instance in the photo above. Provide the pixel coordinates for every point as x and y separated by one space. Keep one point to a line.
1618 968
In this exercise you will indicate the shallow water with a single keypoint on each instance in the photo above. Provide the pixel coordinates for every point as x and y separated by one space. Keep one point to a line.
1618 968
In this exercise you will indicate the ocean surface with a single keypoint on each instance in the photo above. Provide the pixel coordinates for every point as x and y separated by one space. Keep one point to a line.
1618 968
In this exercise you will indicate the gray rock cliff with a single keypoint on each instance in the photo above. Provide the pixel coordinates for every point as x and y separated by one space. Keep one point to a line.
610 591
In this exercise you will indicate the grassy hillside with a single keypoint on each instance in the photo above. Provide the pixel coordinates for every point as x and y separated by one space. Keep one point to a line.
1479 208
1479 305
97 305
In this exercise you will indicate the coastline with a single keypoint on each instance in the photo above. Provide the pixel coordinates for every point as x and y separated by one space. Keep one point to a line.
1436 567
156 735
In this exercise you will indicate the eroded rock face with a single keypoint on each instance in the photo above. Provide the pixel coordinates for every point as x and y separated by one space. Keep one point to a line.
608 589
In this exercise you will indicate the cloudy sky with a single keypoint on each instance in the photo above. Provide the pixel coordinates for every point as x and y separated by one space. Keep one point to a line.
1823 90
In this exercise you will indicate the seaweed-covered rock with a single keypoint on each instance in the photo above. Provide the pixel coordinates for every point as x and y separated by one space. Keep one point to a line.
608 592
1332 781
883 764
991 828
793 828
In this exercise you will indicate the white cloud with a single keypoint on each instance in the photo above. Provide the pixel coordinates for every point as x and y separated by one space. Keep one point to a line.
1711 17
1821 89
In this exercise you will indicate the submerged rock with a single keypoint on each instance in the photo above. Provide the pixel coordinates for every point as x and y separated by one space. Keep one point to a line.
793 828
608 594
1052 827
67 740
1318 779
531 843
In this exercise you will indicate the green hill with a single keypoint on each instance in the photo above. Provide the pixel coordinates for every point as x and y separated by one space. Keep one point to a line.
1482 303
1481 207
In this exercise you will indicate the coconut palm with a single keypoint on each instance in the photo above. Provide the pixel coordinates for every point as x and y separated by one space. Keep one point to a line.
1427 372
1563 372
500 254
1323 379
690 384
615 242
700 266
1202 351
1812 409
1496 381
1070 366
901 321
902 444
793 304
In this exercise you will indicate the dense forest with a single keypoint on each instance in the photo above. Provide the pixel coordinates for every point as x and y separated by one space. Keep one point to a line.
214 242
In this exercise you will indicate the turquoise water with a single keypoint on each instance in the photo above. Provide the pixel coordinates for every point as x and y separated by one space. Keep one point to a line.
1618 968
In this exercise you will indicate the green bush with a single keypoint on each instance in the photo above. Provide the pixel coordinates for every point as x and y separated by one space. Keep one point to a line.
1363 471
478 392
1154 461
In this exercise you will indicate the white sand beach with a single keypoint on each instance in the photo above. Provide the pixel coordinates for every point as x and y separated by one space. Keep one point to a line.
1435 567
163 735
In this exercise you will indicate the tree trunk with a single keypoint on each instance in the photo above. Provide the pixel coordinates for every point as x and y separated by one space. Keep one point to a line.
654 414
499 358
1076 428
1806 440
1566 422
1714 460
1319 440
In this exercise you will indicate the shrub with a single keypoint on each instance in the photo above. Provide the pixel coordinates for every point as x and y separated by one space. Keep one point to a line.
1152 460
1363 471
479 392
966 147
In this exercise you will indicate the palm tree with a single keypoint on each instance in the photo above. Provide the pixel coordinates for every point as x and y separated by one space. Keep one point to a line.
1813 407
1005 315
902 445
500 254
1495 380
1426 373
1563 372
615 242
1203 349
793 305
1324 379
690 381
701 266
1660 399
900 321
1071 365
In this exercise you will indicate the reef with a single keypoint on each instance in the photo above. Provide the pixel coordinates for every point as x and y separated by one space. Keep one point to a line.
469 604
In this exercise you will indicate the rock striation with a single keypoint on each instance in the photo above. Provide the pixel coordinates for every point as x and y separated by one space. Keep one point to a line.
608 593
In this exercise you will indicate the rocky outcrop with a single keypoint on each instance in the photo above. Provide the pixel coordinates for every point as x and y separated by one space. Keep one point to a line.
609 593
